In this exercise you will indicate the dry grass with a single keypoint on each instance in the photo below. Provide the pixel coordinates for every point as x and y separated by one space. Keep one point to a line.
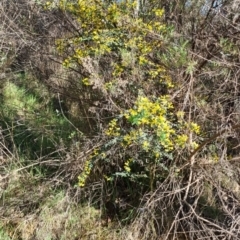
33 209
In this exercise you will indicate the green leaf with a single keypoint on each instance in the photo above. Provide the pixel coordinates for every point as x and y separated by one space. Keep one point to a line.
122 174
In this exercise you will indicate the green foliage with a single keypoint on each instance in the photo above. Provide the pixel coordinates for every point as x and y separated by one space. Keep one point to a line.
31 124
3 235
177 54
228 47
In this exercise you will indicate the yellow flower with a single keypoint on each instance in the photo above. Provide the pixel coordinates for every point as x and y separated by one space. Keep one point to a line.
107 178
86 82
113 129
180 115
146 145
144 121
181 140
195 127
159 12
142 60
127 168
157 154
194 145
126 165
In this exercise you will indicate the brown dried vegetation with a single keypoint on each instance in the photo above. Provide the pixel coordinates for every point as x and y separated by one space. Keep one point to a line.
199 196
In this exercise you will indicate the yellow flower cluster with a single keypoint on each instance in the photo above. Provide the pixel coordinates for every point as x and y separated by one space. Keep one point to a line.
109 85
48 5
150 113
158 12
143 60
132 137
118 70
87 168
181 140
127 168
86 171
108 178
113 129
166 79
86 82
156 72
153 131
107 26
180 115
195 128
153 117
146 145
194 145
66 62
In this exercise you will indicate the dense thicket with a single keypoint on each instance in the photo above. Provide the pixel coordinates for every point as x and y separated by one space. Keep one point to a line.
135 102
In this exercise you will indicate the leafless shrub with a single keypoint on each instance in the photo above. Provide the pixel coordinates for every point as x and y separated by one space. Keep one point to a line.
197 208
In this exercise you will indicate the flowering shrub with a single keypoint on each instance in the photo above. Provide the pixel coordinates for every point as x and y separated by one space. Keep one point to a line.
147 143
123 49
114 30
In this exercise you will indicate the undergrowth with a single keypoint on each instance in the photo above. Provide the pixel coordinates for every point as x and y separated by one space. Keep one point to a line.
119 120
